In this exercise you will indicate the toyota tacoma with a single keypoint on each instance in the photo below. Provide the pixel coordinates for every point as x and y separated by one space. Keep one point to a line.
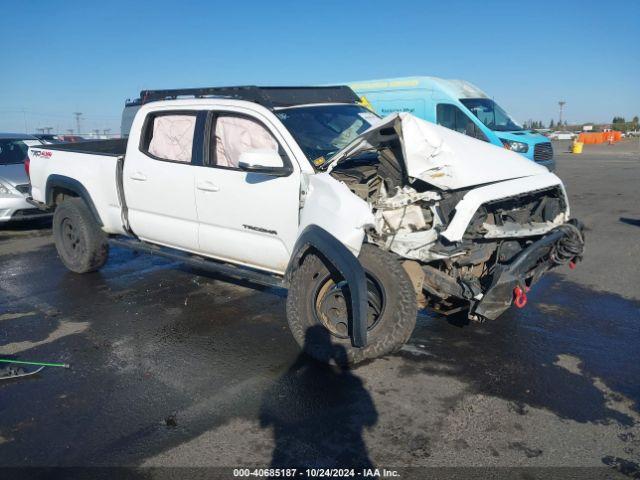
365 220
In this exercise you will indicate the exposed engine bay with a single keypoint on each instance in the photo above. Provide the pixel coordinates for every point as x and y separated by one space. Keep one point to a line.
411 214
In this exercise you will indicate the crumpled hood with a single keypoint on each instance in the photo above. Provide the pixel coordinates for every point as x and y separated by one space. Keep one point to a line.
442 157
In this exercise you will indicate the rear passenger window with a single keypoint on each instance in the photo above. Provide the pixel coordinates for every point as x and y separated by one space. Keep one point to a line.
170 136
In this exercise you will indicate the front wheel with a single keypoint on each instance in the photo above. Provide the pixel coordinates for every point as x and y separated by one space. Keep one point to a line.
81 244
318 308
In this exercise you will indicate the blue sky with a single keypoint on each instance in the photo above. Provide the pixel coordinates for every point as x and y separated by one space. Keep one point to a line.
66 56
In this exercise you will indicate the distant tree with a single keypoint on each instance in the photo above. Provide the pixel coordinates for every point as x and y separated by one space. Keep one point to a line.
618 120
635 119
552 123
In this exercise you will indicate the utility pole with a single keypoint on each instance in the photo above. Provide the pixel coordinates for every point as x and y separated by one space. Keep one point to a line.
562 103
77 114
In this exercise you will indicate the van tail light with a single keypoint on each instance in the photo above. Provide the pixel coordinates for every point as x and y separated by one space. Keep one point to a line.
27 164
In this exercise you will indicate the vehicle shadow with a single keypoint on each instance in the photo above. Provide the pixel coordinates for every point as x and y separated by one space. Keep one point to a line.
630 221
22 228
318 413
241 282
569 351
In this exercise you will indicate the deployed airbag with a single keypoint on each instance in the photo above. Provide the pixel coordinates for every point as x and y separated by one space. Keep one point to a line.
173 137
235 135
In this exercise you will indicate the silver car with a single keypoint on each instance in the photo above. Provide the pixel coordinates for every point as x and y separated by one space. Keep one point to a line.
14 181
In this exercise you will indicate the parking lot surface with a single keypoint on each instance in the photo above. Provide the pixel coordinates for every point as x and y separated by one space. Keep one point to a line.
176 367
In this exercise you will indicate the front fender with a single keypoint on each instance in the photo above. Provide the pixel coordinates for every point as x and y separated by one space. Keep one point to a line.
349 267
330 205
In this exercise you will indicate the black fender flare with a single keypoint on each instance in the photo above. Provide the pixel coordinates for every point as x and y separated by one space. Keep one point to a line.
74 186
347 265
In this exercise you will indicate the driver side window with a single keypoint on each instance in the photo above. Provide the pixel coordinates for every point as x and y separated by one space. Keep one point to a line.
453 118
233 135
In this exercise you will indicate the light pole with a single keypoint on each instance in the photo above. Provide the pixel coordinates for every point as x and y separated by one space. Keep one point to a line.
77 114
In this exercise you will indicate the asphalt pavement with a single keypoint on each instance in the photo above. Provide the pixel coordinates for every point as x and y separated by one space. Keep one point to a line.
174 367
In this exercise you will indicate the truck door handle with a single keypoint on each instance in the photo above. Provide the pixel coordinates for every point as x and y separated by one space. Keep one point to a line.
138 176
207 186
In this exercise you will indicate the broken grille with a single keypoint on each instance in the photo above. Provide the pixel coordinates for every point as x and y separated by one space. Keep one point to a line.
539 206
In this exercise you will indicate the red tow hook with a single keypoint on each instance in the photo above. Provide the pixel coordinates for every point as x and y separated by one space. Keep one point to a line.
572 265
520 297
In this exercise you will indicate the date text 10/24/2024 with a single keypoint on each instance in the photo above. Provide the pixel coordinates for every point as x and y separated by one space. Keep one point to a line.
315 472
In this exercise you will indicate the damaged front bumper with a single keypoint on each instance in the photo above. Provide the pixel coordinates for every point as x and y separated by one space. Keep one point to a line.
562 245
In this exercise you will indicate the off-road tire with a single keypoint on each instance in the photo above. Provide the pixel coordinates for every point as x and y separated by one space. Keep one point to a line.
82 245
387 335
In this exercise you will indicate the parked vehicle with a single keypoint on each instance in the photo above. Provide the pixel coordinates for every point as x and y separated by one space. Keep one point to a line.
14 182
48 138
458 105
131 107
543 131
562 135
296 187
71 138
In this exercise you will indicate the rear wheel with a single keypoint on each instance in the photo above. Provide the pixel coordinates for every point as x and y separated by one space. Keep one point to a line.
318 308
81 244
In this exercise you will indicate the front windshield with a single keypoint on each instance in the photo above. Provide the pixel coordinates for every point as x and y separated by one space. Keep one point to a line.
322 130
490 113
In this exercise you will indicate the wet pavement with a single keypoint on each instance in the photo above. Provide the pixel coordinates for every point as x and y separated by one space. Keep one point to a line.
176 367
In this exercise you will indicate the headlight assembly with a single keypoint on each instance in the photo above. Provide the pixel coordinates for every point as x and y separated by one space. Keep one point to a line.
518 147
4 190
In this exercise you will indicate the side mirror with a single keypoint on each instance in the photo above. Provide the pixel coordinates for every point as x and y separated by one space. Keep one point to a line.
260 160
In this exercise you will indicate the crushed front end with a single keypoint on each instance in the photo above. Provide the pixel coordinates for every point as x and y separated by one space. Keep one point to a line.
479 247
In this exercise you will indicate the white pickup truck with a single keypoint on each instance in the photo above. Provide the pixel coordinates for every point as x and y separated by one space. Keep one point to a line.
363 219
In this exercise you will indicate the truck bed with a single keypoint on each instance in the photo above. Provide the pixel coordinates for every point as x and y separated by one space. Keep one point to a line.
115 147
91 167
